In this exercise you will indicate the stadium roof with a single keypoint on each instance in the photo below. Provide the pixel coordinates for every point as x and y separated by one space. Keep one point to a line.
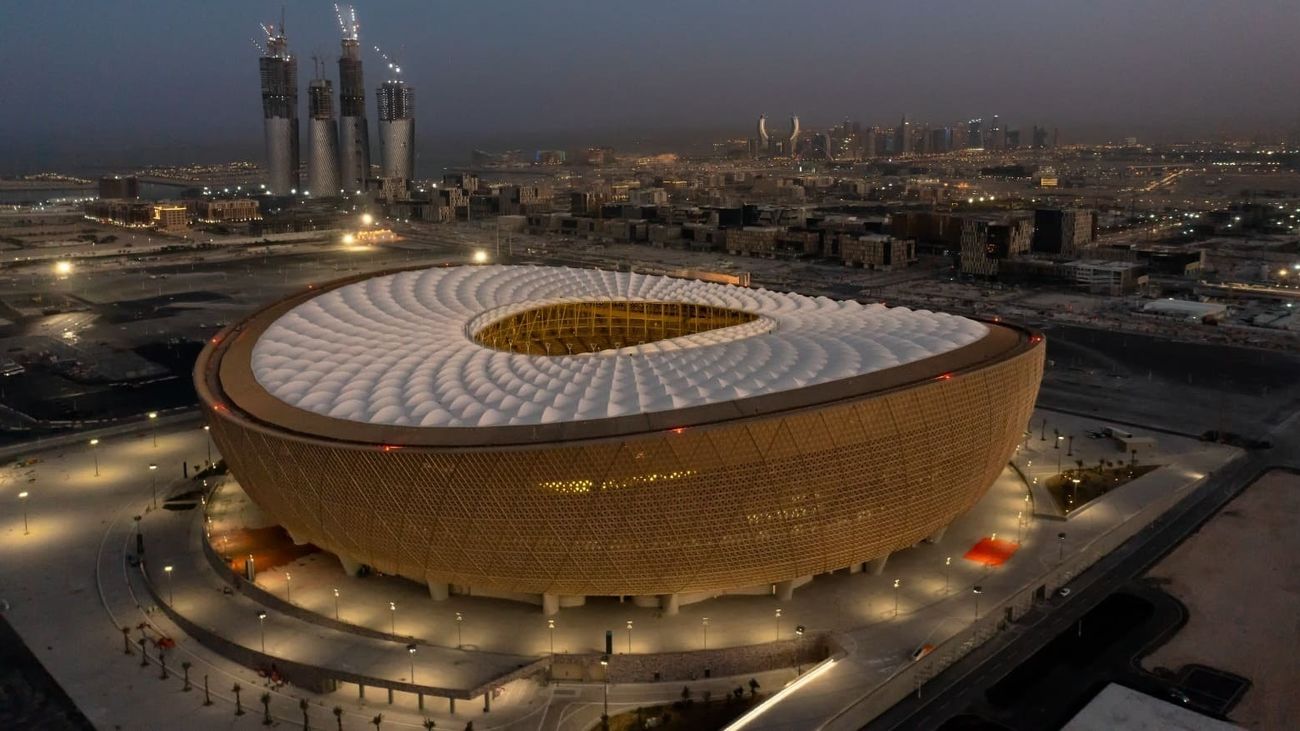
400 349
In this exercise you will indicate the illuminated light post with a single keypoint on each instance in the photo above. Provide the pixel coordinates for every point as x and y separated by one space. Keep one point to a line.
798 656
207 435
604 664
550 627
94 451
1060 547
947 572
778 625
392 613
288 587
977 590
1020 521
336 605
153 426
896 583
153 483
261 622
22 498
706 633
629 637
171 594
410 650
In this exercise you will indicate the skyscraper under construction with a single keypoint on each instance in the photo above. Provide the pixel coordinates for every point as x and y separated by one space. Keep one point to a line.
279 73
323 139
397 129
354 133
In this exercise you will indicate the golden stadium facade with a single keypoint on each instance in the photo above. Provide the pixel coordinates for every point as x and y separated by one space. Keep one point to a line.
538 432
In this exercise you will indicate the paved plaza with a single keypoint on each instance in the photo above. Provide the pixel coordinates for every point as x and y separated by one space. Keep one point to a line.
69 590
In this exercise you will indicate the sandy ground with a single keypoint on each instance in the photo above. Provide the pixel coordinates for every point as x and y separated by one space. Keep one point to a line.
1238 578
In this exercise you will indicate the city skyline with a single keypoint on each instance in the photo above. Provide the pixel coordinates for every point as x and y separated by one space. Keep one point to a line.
548 76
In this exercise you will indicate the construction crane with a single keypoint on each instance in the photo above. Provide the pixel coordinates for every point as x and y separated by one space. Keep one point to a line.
348 24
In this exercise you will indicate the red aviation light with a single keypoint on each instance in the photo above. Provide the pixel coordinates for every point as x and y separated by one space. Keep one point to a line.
389 448
944 377
679 430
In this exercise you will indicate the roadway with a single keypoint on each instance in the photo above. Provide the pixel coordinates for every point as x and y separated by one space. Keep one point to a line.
966 682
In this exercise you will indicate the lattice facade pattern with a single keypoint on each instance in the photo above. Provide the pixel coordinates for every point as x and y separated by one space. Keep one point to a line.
705 508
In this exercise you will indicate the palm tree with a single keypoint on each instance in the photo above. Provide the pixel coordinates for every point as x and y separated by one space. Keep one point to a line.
239 708
302 706
377 720
338 717
753 687
429 724
266 709
185 667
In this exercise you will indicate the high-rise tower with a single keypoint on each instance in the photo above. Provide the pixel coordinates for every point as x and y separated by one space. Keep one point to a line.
354 132
397 129
279 73
323 138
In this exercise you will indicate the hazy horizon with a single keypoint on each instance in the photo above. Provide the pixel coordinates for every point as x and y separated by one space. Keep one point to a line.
132 83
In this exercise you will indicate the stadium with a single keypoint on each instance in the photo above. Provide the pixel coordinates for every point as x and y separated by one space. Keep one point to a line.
546 434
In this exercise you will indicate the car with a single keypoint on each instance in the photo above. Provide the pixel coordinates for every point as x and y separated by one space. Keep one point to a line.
922 651
1179 695
1064 591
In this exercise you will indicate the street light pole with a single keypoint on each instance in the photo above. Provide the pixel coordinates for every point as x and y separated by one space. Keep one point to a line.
977 590
171 595
261 622
896 582
22 497
153 427
94 451
288 587
410 650
392 611
706 633
629 637
604 663
460 639
778 625
336 605
947 571
1060 547
153 483
207 434
550 627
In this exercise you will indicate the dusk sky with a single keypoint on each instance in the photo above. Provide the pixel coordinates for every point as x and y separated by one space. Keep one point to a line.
150 80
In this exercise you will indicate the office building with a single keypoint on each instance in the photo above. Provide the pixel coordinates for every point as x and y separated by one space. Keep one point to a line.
323 140
397 130
279 72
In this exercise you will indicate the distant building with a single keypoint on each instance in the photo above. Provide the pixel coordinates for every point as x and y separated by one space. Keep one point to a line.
224 210
117 186
279 73
354 132
877 251
397 130
987 241
171 217
1063 231
121 212
322 140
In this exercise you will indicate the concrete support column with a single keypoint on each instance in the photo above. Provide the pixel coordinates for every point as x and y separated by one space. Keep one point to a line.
937 536
649 601
390 696
350 567
876 566
669 604
784 591
452 702
487 701
439 591
550 604
856 568
296 540
361 691
419 698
